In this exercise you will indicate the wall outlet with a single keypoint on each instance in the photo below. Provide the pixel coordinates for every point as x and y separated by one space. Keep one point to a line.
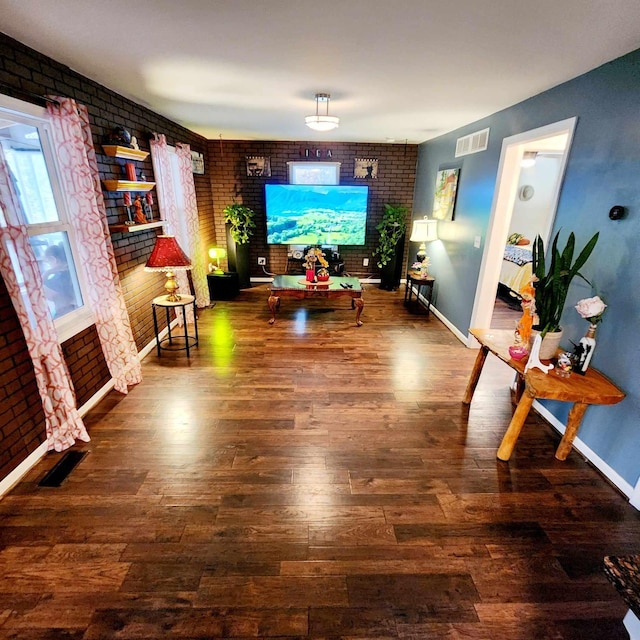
262 261
365 262
476 242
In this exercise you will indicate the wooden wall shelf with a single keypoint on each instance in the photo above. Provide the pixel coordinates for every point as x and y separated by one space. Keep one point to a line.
132 228
127 185
116 151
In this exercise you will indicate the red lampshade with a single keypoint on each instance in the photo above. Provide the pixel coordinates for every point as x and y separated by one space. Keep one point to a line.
167 255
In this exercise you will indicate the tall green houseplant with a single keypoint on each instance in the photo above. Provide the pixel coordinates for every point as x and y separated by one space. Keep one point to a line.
241 223
552 284
391 229
240 219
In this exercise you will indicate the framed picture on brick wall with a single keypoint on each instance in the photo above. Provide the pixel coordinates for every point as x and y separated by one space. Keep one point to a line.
197 163
258 167
365 168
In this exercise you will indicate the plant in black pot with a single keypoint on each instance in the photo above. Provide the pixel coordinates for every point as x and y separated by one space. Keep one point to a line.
552 285
240 219
391 229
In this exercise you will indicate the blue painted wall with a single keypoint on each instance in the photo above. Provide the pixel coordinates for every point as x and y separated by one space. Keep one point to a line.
603 170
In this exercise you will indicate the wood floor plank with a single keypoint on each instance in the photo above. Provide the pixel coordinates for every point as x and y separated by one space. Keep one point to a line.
314 479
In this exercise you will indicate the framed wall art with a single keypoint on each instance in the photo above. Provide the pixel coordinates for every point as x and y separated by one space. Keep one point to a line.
365 168
444 201
197 163
258 167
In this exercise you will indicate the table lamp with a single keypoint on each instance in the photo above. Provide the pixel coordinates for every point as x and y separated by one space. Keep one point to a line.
167 256
423 231
215 253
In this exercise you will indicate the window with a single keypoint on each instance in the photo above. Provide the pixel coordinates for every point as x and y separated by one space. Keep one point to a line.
26 149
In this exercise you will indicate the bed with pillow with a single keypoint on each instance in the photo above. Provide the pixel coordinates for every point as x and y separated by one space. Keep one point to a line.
516 269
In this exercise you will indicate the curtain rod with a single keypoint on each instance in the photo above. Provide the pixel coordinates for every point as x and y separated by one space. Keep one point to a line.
27 94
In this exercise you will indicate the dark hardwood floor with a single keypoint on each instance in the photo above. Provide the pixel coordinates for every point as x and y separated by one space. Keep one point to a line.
314 479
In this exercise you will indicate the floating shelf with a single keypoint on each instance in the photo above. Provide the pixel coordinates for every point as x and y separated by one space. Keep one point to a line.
116 151
127 185
131 228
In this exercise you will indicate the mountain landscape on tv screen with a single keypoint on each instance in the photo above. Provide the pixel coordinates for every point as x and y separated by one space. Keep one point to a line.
316 215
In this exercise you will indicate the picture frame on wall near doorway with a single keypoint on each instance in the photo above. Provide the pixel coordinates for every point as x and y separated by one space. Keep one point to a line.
444 201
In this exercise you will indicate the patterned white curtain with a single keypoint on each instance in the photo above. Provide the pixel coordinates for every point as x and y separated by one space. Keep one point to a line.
18 266
81 185
188 235
195 247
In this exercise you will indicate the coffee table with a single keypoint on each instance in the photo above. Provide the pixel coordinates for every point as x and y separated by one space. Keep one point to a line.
298 287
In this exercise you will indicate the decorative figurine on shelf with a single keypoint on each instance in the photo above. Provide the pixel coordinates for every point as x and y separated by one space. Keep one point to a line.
134 143
138 213
119 136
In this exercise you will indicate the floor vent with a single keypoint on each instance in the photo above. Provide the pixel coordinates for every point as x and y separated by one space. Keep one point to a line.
58 474
472 143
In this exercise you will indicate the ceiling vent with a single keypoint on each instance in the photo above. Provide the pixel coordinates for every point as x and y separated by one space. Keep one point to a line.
472 143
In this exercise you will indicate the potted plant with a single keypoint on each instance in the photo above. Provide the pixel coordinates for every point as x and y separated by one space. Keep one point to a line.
240 219
552 285
391 229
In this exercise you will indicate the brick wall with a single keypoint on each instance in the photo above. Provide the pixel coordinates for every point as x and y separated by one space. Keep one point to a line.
21 417
88 373
24 70
396 177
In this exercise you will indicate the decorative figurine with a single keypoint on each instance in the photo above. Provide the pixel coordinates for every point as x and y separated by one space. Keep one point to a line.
119 136
564 365
138 214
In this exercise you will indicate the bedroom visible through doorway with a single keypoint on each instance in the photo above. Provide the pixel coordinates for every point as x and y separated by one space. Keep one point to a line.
524 206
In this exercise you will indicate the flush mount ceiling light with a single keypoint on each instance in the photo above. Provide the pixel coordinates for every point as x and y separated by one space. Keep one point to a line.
324 122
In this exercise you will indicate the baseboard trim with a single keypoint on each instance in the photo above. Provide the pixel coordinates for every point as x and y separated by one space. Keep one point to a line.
608 472
447 323
146 350
11 480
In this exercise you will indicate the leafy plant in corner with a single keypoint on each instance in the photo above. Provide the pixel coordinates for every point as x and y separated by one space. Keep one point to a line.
240 219
391 229
552 285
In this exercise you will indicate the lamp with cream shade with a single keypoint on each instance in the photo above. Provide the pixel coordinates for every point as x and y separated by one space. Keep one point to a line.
423 231
167 256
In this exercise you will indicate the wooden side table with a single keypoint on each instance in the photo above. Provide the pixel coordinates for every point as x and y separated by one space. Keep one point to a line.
186 341
414 279
592 388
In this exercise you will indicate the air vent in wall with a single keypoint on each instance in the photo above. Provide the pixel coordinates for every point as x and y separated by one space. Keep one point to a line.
472 143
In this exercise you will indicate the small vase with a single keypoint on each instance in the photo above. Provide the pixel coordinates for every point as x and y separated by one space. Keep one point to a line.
311 275
586 347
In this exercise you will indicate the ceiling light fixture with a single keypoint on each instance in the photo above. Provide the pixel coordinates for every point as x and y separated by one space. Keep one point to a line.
322 122
529 159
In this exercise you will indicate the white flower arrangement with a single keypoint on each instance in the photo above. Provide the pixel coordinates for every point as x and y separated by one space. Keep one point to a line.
591 309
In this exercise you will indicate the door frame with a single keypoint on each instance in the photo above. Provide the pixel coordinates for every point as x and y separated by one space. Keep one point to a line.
504 198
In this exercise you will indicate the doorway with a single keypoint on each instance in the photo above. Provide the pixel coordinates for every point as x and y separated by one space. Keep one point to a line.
520 208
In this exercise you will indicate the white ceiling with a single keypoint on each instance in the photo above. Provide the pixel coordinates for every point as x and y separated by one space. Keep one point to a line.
396 69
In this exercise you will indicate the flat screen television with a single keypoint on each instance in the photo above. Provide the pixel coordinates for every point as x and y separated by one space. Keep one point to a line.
309 214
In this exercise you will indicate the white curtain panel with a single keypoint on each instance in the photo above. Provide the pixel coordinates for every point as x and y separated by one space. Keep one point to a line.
81 184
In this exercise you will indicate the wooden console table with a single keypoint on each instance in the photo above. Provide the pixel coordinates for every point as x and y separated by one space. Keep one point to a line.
592 388
297 287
